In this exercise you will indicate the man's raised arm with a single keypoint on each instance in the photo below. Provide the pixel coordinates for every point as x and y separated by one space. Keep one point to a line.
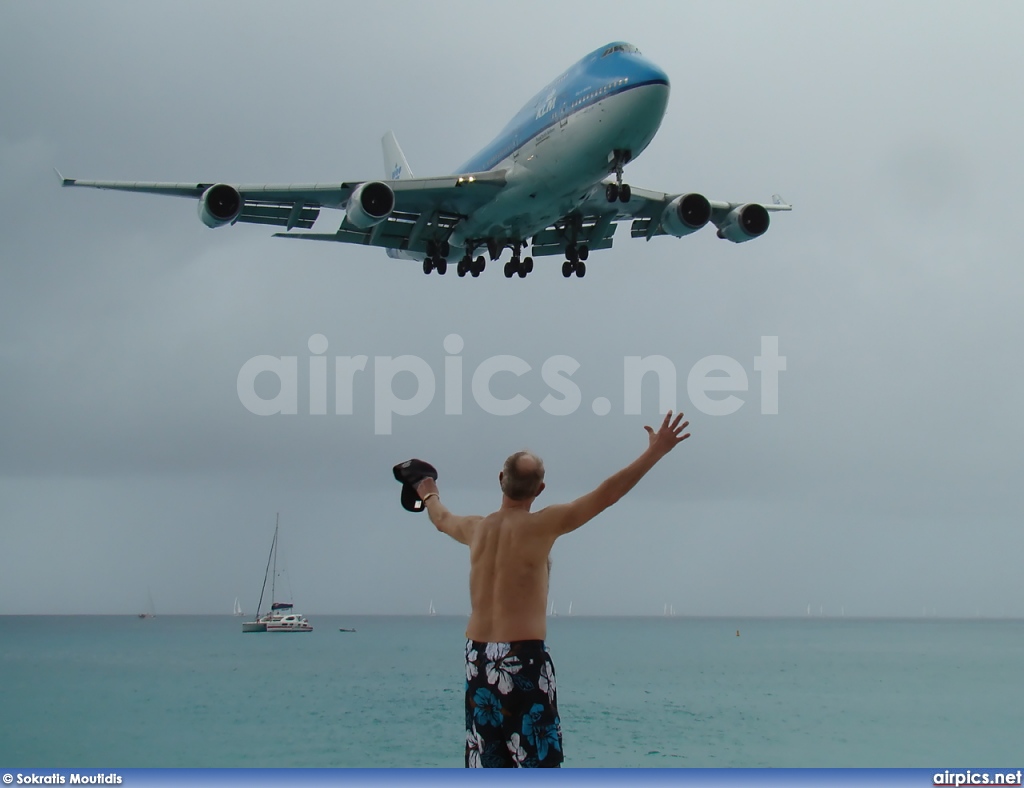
456 527
570 516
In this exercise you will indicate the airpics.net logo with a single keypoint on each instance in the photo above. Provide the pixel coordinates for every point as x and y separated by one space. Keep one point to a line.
713 384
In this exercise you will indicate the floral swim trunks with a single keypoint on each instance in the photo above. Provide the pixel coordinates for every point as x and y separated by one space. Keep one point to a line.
511 713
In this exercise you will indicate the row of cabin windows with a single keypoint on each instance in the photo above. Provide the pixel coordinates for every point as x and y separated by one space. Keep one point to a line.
601 92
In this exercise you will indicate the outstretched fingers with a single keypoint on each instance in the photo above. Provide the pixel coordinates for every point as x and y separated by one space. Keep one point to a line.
677 426
671 431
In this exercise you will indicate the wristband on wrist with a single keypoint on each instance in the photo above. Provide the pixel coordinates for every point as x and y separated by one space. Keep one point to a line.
428 496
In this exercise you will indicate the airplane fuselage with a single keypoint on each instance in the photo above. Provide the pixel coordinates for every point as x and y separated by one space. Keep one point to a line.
563 142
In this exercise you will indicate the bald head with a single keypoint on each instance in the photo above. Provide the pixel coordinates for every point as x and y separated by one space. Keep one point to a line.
523 476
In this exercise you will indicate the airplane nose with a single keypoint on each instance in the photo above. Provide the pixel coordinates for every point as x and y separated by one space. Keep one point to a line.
643 71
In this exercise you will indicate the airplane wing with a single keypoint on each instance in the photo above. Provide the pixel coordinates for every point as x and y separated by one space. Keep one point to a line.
651 214
398 214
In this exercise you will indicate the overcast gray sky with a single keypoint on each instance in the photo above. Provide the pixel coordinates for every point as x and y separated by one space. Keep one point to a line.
884 486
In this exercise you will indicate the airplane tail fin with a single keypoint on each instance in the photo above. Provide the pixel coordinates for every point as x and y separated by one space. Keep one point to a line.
395 165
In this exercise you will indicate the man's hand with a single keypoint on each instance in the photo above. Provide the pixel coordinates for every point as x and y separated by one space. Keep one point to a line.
668 436
426 486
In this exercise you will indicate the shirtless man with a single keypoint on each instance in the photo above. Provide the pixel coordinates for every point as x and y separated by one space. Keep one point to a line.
511 711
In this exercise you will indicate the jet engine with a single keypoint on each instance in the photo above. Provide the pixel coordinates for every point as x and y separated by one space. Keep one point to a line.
370 204
220 205
686 214
744 223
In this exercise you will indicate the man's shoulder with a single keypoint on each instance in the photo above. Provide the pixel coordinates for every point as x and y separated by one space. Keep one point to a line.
517 516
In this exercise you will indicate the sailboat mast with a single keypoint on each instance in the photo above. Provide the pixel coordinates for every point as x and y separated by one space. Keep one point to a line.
259 605
273 550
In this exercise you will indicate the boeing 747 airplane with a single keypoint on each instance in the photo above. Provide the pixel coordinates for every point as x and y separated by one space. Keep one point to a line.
551 182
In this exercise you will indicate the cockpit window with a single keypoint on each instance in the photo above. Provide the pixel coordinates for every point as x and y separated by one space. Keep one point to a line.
621 48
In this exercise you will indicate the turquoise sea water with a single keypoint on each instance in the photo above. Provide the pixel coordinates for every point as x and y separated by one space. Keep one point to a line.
179 691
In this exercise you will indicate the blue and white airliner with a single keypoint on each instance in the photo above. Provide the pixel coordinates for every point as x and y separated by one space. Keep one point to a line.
551 183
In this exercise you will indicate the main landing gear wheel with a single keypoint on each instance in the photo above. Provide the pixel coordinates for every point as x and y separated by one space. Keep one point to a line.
620 192
576 252
569 268
520 267
467 265
438 264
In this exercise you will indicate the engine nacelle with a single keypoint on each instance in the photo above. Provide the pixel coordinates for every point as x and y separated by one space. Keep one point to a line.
220 205
686 214
370 204
744 223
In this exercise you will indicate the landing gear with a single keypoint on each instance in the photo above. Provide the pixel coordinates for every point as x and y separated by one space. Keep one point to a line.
618 191
437 257
577 252
521 267
517 265
438 250
467 265
574 264
569 268
438 264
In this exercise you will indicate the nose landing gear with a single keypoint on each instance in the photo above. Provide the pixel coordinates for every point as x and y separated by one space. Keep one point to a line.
618 191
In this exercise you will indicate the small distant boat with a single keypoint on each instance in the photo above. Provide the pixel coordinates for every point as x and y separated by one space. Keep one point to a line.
431 611
238 608
343 629
280 618
150 607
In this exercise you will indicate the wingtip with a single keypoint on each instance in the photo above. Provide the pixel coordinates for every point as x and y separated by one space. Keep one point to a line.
64 181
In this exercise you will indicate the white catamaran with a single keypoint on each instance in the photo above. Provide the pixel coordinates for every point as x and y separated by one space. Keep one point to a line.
280 618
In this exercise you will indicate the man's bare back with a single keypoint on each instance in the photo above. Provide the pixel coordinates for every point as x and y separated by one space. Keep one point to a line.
508 577
509 549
